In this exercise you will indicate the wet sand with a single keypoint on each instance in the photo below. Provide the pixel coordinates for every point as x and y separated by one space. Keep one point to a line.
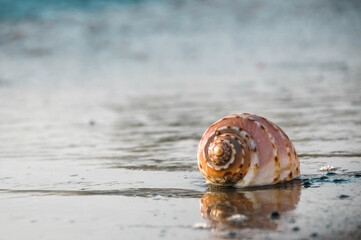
102 108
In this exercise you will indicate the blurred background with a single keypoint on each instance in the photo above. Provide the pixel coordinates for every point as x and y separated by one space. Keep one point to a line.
178 41
103 104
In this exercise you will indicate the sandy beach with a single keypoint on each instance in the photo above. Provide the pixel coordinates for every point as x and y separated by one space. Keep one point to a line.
103 104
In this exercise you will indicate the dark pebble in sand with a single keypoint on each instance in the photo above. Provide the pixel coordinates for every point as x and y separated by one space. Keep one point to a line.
358 175
314 235
331 174
342 196
339 180
91 123
296 229
323 178
275 215
307 184
231 234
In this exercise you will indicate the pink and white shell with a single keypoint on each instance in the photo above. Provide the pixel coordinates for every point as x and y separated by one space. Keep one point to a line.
247 150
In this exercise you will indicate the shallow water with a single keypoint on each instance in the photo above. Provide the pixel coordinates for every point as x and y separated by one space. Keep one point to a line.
102 108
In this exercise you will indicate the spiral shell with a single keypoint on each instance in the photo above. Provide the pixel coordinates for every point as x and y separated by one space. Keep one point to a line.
246 150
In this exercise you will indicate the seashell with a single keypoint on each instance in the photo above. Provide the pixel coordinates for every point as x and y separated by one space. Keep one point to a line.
246 150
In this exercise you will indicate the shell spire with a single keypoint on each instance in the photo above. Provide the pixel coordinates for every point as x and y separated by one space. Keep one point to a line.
246 150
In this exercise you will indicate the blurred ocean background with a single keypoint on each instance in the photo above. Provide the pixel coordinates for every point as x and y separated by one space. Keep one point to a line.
103 104
147 42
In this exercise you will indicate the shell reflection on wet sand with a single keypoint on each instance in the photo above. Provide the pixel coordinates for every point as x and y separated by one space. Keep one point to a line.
231 209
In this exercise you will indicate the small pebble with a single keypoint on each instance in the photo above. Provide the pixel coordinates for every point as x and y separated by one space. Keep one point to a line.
358 175
323 178
330 174
237 217
339 180
295 229
91 123
307 184
275 215
342 196
314 234
328 168
201 226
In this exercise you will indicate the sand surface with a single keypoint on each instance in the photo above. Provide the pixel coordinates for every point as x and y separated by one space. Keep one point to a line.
102 106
